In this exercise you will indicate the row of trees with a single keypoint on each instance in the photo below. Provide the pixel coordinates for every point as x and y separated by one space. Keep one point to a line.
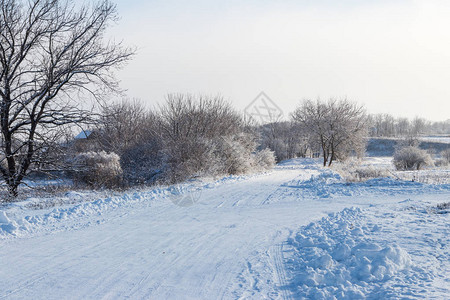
185 138
335 129
385 125
204 136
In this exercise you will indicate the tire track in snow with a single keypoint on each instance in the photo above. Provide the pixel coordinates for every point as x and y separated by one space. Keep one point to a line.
276 253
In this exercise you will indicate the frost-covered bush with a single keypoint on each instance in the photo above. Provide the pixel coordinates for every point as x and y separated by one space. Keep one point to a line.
368 172
190 136
411 158
238 155
444 159
445 156
190 158
234 153
440 162
264 159
98 169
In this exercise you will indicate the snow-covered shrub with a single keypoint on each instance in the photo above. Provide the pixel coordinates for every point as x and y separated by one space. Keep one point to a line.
444 159
235 153
123 125
440 162
98 169
188 158
411 158
131 131
369 172
352 171
445 156
264 159
190 128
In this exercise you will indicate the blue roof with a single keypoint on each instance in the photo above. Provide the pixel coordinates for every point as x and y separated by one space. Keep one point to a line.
83 135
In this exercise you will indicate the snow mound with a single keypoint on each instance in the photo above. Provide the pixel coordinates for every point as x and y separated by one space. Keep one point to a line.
6 225
338 257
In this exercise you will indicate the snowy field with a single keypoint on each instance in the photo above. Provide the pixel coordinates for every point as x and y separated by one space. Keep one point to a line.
297 232
436 139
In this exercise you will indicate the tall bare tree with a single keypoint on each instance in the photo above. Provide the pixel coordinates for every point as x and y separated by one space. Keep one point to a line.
52 54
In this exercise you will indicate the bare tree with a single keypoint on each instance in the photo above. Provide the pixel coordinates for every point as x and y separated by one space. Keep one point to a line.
285 139
132 131
418 126
52 53
189 127
123 125
205 135
339 127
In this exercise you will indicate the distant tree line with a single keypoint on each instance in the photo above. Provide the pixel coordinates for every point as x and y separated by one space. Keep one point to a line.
336 129
385 125
191 136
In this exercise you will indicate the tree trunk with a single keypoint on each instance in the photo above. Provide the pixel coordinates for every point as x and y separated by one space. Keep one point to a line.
12 189
332 157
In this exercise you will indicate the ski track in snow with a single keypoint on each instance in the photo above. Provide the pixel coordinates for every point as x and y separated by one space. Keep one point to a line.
268 236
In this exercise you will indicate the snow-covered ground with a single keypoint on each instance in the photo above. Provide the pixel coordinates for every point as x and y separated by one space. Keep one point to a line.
296 232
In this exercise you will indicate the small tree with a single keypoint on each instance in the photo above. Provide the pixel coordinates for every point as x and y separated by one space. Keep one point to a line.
339 127
51 51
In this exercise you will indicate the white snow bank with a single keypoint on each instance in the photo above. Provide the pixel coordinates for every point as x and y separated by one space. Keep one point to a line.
338 257
379 253
6 225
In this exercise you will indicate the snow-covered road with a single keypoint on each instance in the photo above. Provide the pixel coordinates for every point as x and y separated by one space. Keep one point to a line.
228 244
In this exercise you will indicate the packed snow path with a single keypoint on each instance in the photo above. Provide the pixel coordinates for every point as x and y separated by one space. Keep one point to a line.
230 243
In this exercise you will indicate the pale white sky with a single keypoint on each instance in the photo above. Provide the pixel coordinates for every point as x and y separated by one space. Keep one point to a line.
393 56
